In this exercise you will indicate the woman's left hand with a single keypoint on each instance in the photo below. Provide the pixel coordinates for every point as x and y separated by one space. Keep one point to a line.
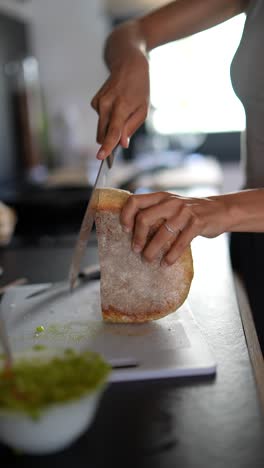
182 219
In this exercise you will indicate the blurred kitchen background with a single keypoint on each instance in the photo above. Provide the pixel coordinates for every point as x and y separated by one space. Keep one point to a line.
51 66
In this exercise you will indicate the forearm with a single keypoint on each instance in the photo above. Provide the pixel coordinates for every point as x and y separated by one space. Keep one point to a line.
183 18
244 210
176 20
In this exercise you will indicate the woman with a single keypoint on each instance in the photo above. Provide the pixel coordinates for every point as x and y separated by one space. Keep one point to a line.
122 105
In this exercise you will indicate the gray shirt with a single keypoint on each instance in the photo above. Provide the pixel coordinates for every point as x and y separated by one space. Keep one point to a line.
247 73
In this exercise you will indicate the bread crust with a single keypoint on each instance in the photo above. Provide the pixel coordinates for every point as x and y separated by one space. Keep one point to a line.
112 199
133 291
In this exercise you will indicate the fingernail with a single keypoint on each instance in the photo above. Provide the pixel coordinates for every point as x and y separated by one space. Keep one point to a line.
126 229
128 141
101 154
137 248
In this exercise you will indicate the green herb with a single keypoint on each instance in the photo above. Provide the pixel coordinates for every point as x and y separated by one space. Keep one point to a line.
38 347
36 383
40 329
69 352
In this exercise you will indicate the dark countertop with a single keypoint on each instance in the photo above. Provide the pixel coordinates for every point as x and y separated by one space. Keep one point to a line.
184 423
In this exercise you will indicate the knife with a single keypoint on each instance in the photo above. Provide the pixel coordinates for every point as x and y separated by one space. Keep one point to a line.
90 273
88 220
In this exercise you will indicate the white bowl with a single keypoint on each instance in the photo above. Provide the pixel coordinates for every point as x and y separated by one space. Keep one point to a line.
57 426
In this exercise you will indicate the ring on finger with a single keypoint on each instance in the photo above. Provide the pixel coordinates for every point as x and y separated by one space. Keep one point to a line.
171 230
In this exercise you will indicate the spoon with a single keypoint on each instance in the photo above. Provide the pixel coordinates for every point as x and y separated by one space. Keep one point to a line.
6 345
3 333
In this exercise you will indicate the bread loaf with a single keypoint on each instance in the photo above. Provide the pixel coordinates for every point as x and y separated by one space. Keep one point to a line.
133 290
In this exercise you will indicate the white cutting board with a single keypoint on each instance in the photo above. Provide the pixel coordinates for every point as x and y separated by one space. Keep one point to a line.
169 347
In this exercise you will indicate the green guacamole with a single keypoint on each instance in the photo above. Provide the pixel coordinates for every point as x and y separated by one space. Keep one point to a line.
34 384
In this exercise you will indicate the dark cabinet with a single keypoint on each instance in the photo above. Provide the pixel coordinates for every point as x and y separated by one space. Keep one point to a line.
14 45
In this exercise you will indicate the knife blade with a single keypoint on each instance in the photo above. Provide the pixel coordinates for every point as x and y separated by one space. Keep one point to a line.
88 220
90 273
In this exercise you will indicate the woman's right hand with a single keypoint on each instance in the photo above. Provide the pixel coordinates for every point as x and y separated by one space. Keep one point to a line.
122 102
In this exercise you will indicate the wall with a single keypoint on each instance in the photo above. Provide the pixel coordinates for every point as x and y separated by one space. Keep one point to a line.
68 38
13 8
116 6
123 7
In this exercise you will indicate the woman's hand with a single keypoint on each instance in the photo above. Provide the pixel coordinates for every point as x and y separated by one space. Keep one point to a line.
122 102
182 220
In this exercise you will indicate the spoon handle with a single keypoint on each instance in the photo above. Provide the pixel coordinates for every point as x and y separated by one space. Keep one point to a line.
3 334
5 343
